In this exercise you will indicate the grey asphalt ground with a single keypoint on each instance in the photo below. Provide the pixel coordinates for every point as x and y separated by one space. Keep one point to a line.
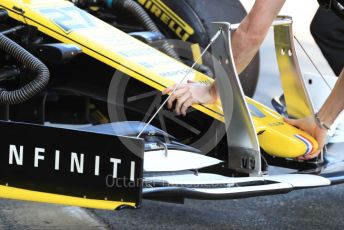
319 208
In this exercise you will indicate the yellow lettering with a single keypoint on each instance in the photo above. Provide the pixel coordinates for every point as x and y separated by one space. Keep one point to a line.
142 2
148 4
155 10
185 37
165 18
171 26
179 31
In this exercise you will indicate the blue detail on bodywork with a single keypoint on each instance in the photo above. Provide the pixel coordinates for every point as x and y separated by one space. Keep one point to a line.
255 111
306 143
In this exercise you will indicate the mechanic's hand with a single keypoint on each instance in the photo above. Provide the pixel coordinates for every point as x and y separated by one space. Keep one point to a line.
309 125
190 93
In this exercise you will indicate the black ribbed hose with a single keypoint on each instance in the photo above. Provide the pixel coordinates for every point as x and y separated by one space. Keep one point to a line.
136 9
32 88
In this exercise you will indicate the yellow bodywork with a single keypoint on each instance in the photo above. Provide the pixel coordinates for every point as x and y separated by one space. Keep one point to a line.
28 195
121 51
277 137
124 53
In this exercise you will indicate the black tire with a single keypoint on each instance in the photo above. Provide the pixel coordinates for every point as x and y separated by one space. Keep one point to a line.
136 101
199 14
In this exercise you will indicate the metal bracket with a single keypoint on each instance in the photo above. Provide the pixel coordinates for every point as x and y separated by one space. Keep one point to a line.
243 147
298 101
297 98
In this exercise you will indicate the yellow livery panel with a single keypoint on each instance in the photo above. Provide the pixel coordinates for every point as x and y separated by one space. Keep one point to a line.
277 137
63 21
28 195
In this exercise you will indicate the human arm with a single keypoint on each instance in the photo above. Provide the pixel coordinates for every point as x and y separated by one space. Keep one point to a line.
246 41
252 31
328 113
334 104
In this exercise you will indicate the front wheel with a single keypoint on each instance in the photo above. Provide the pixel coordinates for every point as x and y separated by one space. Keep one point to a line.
190 20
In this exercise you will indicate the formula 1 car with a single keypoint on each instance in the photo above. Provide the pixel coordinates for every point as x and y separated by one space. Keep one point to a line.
62 65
